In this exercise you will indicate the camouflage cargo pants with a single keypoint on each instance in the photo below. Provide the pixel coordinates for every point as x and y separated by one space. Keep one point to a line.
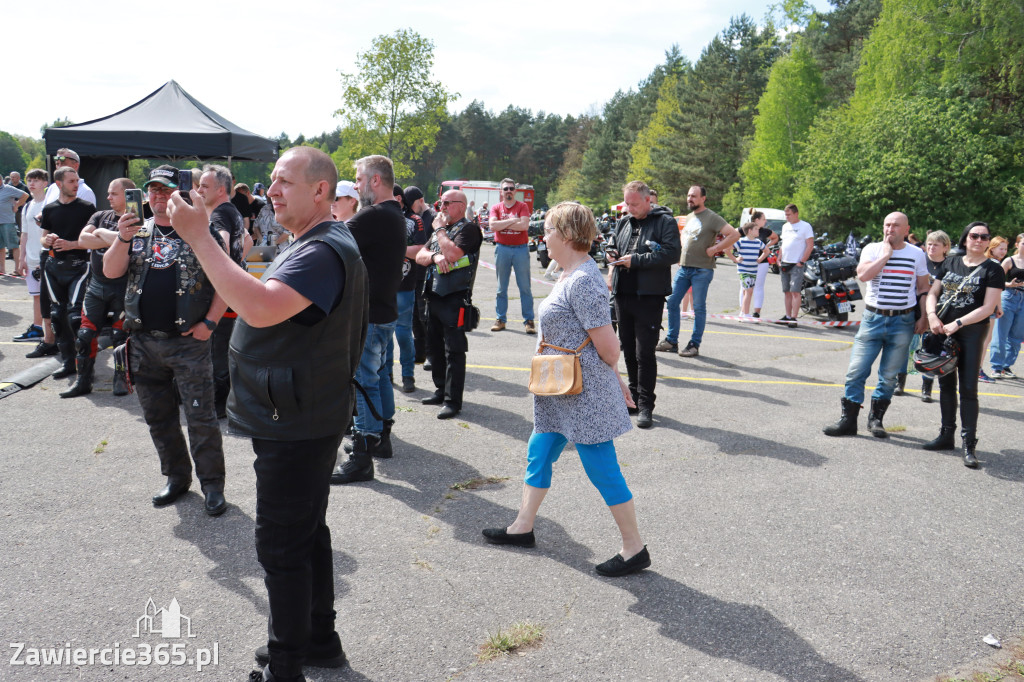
157 364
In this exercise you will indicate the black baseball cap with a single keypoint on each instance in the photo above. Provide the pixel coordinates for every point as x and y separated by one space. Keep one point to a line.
165 175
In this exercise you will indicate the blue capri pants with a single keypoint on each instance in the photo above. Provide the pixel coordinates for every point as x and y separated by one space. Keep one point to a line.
599 462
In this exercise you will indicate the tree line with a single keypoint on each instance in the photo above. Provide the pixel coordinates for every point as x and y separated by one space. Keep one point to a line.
870 107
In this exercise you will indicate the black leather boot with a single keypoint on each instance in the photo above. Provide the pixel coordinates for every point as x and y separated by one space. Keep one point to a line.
926 389
359 466
969 442
901 383
66 370
944 441
83 384
878 408
847 424
383 450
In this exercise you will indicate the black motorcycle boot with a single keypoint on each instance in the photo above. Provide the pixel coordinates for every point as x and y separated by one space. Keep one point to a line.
901 383
67 368
847 424
969 443
944 441
383 450
359 465
878 408
83 384
926 389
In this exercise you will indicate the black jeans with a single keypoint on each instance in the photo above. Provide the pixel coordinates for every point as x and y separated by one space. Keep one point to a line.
639 320
446 347
293 544
972 350
219 349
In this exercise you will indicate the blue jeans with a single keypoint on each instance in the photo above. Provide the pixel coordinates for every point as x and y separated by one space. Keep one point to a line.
889 336
699 279
372 375
403 332
507 259
1009 330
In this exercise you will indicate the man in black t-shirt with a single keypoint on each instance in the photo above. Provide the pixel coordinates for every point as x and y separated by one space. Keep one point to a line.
67 269
293 352
215 188
242 201
414 202
379 229
104 295
454 246
171 310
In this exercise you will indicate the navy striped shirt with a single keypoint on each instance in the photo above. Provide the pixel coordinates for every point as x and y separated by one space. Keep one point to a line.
750 249
895 287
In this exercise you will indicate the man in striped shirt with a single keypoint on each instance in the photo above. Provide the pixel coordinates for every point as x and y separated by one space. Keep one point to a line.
896 274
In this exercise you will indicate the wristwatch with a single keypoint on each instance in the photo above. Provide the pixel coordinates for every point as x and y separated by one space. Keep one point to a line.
959 323
210 324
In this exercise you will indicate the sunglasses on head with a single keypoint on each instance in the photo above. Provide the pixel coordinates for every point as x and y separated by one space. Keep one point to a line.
64 158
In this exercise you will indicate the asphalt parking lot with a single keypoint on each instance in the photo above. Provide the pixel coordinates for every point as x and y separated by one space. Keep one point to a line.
778 553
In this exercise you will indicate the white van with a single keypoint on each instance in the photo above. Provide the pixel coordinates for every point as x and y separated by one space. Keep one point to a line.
776 218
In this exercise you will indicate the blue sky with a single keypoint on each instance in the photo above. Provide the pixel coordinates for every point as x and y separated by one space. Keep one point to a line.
274 66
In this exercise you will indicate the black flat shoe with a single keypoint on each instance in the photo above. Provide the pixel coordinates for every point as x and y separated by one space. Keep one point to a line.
215 503
434 399
448 412
499 536
171 492
617 566
314 658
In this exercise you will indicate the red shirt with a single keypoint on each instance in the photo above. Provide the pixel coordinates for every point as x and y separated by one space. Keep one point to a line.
510 237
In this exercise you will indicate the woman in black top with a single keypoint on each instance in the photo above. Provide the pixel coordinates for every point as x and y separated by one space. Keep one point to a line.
966 291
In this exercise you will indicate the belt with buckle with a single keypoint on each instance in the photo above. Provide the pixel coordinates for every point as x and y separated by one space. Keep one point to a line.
890 313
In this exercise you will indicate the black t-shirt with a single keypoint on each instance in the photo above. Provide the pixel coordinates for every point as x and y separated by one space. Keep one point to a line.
66 221
106 220
157 303
971 296
316 272
380 233
764 234
226 218
628 279
415 235
241 202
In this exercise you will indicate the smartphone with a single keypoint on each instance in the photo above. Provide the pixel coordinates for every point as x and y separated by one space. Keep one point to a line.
185 185
133 204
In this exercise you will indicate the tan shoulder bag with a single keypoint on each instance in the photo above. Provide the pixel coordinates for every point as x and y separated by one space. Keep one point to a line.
557 374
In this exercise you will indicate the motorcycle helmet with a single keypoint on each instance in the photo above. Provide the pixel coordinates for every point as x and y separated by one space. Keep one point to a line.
937 356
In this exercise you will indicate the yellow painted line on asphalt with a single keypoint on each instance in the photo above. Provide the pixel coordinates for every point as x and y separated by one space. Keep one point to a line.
740 381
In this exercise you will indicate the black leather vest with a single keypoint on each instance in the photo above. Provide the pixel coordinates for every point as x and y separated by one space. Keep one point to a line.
194 293
293 382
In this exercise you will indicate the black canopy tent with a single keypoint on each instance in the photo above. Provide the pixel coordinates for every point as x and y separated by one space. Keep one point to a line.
166 124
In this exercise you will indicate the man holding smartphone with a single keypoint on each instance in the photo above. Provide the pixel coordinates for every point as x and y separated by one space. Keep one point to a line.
103 295
169 350
300 333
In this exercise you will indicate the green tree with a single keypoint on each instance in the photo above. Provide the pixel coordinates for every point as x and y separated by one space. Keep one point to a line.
794 96
941 159
658 128
12 158
392 106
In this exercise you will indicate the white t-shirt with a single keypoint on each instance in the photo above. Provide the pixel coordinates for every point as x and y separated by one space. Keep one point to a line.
794 240
33 233
84 192
895 286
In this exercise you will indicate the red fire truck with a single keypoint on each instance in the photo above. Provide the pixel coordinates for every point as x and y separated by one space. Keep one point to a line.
484 192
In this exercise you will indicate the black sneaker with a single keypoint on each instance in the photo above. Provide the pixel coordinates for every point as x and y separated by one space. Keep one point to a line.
33 333
646 419
783 320
43 350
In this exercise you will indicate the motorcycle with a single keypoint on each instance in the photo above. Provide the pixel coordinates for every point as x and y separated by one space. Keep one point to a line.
537 244
830 283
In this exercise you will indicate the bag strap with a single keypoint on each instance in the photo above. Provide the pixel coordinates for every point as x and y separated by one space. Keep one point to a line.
566 350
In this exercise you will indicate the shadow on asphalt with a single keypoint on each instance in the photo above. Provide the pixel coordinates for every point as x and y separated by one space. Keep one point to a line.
734 443
719 389
747 634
